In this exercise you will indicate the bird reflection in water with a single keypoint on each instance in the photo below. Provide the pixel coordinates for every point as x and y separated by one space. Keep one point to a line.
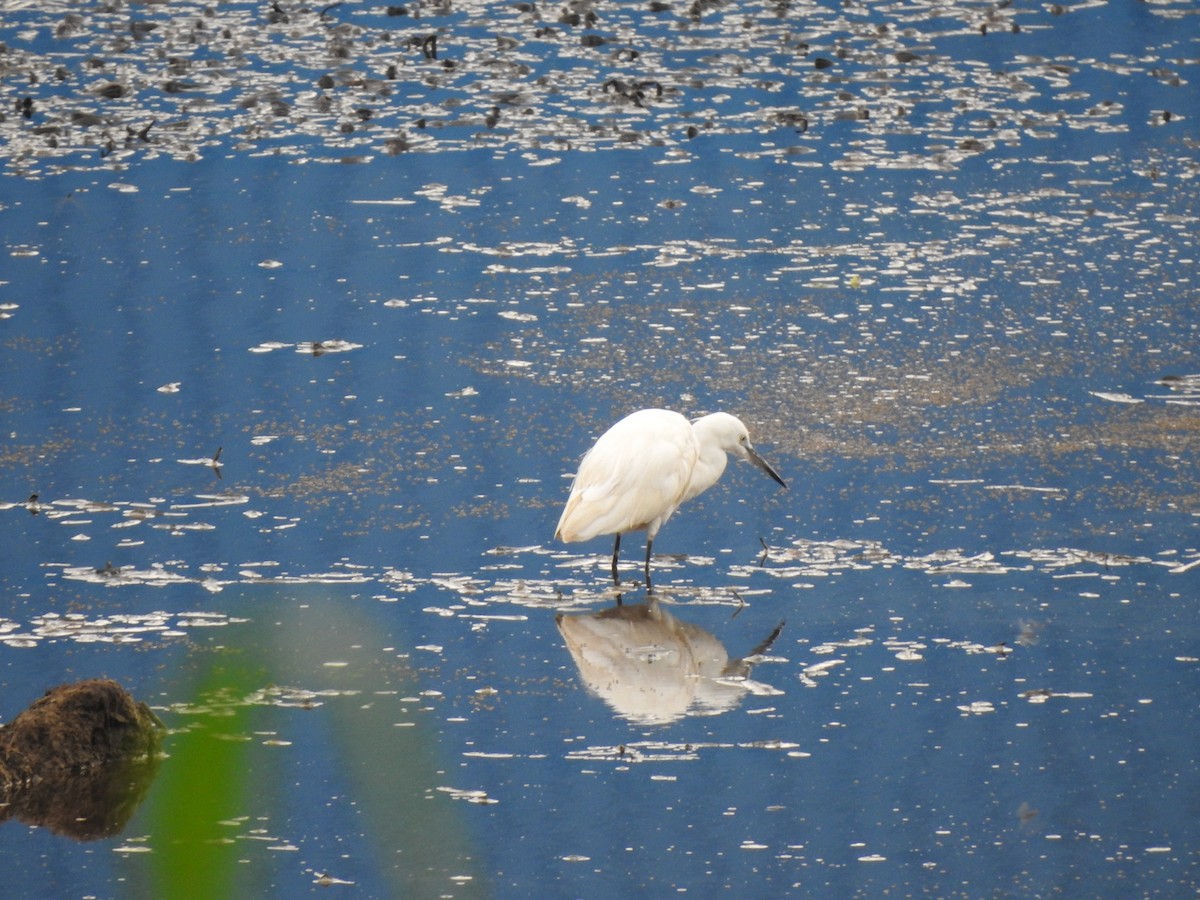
653 668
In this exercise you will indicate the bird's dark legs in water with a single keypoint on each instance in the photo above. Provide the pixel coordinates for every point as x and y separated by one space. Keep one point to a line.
617 555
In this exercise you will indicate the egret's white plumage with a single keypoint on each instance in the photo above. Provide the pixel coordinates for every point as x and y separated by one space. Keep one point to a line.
640 470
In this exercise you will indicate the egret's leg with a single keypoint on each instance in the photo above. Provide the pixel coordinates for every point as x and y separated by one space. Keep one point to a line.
616 553
649 544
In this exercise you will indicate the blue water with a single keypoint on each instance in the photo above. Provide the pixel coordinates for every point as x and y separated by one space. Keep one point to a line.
986 559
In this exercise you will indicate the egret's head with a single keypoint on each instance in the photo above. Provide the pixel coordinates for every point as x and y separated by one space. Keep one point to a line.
728 433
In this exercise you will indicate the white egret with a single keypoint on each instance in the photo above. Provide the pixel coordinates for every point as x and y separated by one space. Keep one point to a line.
640 470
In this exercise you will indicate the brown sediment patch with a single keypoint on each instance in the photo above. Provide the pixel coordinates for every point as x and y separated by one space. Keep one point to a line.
79 760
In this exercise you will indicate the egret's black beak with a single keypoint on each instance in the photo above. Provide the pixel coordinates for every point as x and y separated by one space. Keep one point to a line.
763 464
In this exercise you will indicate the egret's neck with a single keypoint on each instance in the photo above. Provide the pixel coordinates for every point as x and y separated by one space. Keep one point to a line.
710 464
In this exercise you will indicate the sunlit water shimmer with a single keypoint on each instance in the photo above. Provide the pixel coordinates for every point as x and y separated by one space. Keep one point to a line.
308 313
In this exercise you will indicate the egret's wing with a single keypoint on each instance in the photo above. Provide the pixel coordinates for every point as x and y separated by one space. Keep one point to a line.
632 477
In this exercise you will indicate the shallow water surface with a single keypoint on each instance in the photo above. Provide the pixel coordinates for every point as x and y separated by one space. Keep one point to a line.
307 321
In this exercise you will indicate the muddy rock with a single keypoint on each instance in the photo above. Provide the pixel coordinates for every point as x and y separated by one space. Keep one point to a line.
79 760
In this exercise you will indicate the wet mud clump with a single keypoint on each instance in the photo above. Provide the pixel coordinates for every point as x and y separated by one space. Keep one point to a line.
79 760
